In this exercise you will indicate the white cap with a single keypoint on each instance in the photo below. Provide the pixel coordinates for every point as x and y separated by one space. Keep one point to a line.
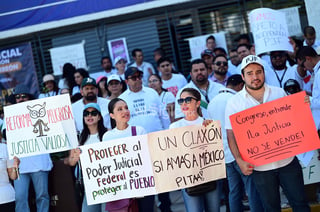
48 77
249 60
113 77
118 59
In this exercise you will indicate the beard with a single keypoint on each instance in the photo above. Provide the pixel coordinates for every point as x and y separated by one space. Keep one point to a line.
201 79
221 72
90 97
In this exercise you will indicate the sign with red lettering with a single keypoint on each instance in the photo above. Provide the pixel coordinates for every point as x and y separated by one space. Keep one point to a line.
40 126
275 130
153 163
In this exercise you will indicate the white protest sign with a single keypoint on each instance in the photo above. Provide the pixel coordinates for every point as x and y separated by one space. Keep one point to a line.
73 54
198 44
313 11
270 31
293 20
40 126
311 173
117 169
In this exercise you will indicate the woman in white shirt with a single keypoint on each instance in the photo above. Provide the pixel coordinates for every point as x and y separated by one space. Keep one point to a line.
207 201
120 116
8 169
93 130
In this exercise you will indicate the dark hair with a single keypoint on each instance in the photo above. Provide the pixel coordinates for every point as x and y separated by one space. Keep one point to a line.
163 59
85 132
76 97
306 51
196 94
245 45
105 57
220 55
309 30
83 72
210 37
68 74
234 80
159 78
111 105
244 36
133 53
55 87
197 61
220 49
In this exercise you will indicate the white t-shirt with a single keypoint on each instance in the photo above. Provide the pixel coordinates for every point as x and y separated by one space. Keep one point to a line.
7 193
174 84
183 122
145 66
243 100
77 109
166 97
92 139
115 133
50 93
103 73
75 89
145 109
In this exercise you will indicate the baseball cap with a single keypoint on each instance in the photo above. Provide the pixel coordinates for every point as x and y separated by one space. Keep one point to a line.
118 59
47 78
131 71
249 60
101 78
88 81
93 105
113 77
207 52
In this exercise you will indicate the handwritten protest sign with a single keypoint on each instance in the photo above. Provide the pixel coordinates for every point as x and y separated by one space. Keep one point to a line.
270 31
187 156
311 173
153 163
275 130
40 126
293 20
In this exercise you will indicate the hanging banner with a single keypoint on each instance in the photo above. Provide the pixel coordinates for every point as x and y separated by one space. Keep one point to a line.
270 30
275 130
293 20
73 54
118 47
198 44
148 164
17 67
40 126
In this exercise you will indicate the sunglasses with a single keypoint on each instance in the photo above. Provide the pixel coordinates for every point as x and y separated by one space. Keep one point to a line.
92 113
23 96
187 100
220 63
134 78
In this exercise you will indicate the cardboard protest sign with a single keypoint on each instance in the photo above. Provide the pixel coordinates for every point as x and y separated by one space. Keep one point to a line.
293 20
40 126
270 30
275 130
311 173
117 169
187 156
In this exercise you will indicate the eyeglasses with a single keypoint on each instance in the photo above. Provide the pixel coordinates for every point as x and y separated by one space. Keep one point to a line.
134 78
153 81
220 63
92 113
187 100
23 96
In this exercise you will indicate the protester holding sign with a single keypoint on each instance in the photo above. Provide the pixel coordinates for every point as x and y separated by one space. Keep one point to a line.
208 198
93 130
120 116
267 178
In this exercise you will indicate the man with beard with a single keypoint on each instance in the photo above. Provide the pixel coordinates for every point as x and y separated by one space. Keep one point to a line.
280 72
89 92
220 69
199 80
106 65
267 178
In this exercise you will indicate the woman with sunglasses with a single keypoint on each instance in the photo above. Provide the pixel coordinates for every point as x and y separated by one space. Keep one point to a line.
190 105
120 116
166 97
93 130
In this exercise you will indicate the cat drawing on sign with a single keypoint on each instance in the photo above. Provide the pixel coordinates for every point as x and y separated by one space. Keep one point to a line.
38 118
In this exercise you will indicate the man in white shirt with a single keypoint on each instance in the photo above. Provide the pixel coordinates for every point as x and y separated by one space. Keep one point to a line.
145 111
107 69
199 81
146 68
171 82
268 177
89 92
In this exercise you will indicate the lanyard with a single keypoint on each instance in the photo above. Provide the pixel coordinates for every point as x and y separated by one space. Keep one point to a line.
280 79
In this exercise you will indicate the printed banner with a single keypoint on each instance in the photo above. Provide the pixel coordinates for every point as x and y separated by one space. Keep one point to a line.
118 47
40 126
73 54
293 20
153 163
17 67
270 30
275 130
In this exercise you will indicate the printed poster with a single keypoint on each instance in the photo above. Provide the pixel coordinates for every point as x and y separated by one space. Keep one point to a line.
118 47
